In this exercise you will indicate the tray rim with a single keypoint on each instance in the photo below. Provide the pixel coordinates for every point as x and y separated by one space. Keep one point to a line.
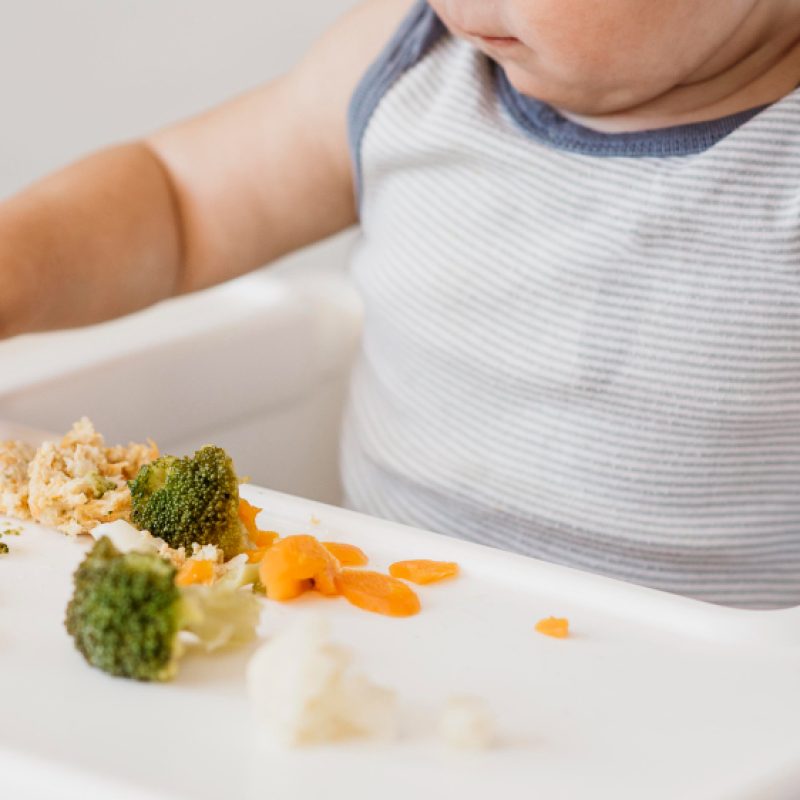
685 616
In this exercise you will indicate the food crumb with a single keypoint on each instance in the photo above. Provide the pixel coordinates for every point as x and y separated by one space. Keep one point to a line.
315 520
465 724
424 571
3 548
553 626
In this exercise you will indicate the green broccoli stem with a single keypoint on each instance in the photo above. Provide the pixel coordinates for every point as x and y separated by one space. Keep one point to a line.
218 616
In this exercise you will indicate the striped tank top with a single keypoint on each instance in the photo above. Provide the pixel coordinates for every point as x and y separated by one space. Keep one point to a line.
578 346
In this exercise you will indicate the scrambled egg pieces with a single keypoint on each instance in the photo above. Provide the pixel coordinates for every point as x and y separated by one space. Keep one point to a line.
73 485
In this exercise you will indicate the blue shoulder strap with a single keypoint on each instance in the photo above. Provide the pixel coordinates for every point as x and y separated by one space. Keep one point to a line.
419 31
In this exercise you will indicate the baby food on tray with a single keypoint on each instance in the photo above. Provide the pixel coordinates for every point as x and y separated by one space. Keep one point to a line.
180 561
73 484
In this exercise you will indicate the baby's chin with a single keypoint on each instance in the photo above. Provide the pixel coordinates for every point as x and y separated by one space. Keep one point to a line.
580 99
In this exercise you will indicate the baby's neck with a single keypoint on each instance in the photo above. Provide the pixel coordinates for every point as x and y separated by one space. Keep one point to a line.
758 66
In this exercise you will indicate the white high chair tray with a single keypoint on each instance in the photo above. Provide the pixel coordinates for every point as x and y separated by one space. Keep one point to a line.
652 696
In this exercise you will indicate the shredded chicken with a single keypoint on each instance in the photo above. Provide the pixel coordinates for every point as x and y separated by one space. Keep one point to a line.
72 485
14 460
206 552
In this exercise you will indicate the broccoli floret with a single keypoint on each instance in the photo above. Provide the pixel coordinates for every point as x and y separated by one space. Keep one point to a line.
3 548
126 613
192 499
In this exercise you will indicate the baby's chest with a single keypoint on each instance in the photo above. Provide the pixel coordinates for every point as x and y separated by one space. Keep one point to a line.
647 284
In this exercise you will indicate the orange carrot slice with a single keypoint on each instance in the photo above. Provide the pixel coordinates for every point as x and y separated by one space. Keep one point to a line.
254 556
348 555
248 514
553 626
325 583
378 593
193 572
263 539
287 589
298 558
423 571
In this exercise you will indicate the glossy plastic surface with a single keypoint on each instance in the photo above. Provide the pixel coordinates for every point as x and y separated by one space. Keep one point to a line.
652 696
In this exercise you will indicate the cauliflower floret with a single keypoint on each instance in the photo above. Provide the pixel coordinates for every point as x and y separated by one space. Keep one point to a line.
304 691
126 538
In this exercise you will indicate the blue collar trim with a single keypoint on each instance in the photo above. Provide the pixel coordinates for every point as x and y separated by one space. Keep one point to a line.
544 123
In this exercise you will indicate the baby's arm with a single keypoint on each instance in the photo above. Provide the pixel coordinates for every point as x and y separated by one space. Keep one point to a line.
198 203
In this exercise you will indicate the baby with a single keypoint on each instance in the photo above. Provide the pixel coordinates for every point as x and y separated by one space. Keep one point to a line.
580 263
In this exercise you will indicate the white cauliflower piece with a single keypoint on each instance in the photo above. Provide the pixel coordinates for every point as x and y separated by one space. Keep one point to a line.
236 573
218 616
303 690
126 538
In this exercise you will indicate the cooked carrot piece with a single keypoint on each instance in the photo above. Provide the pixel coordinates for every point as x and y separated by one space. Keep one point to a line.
379 593
254 556
302 556
325 579
299 558
289 558
248 514
263 539
552 626
286 589
325 583
348 555
423 571
195 572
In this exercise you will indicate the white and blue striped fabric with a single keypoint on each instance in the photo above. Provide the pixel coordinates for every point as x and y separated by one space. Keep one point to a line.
579 346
